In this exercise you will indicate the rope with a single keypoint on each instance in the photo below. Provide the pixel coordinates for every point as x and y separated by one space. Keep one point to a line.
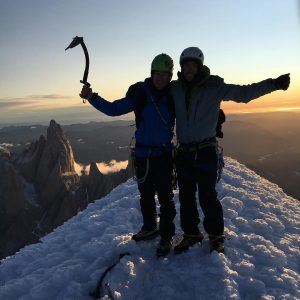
160 115
98 291
143 178
221 163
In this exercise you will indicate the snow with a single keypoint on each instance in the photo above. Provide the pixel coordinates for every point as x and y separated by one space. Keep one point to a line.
7 145
4 152
82 141
261 259
29 193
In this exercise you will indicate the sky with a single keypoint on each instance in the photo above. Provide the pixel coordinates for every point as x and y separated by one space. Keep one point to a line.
243 42
261 259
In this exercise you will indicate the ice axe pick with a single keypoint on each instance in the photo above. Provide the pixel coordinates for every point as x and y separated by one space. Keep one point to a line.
79 41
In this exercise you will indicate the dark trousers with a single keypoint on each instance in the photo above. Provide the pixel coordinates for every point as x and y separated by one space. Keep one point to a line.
199 170
158 180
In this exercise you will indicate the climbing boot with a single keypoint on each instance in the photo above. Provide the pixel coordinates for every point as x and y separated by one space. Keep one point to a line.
144 235
216 243
188 241
164 247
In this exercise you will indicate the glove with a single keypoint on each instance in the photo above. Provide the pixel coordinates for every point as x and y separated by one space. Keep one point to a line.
86 93
282 82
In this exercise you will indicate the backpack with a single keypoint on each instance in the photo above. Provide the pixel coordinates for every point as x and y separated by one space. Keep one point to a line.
221 120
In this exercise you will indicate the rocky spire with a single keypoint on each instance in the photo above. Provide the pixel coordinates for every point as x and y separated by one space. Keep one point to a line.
57 157
40 190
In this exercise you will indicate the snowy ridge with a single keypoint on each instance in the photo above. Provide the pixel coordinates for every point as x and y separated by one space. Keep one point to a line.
262 258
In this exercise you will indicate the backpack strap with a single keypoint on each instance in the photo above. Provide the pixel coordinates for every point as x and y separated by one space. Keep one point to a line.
139 96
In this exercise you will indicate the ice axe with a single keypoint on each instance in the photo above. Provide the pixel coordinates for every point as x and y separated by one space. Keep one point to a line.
79 41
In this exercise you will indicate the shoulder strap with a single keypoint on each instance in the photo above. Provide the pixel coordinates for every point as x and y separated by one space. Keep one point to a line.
152 100
137 93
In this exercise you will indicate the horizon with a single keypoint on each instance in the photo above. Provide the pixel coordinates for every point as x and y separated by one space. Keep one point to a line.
127 118
242 42
270 136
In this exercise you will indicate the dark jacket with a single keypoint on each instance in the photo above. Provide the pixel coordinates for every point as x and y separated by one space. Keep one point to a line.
196 120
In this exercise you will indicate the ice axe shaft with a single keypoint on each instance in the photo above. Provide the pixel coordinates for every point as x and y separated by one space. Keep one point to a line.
79 41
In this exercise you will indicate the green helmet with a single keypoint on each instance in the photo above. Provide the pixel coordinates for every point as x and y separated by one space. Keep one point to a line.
162 63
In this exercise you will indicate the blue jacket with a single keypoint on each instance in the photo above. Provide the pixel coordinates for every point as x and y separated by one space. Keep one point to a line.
154 114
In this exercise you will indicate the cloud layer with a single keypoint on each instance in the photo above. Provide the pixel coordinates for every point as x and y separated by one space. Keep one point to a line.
112 167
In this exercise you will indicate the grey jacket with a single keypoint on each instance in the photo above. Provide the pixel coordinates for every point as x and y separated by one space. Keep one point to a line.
199 122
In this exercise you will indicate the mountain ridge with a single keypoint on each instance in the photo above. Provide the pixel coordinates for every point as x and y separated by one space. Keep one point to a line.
261 259
40 189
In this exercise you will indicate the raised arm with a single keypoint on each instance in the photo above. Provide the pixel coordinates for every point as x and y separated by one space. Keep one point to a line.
246 93
115 108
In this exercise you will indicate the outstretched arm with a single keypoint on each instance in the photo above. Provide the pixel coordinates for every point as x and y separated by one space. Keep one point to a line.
246 93
115 108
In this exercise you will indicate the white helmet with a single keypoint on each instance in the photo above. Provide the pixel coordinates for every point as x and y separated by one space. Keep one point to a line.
192 53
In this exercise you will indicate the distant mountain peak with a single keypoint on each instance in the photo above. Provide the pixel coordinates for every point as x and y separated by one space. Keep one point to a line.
40 190
55 131
94 171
